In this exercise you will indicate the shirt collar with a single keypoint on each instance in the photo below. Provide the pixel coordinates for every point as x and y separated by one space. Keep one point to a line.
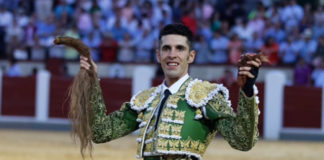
176 86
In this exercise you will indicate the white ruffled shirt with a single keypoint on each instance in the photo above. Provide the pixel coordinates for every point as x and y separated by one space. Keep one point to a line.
174 88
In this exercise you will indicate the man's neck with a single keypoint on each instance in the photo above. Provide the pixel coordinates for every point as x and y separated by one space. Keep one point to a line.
170 81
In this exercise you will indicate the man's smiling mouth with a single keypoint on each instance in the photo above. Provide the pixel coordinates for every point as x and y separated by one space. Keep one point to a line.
172 64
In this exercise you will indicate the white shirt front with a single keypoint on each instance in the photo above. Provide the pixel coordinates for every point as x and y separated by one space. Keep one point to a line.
174 87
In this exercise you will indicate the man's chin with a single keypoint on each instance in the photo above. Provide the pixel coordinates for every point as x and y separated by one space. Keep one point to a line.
172 75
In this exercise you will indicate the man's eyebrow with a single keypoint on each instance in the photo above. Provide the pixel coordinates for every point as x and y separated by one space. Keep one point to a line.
166 45
180 46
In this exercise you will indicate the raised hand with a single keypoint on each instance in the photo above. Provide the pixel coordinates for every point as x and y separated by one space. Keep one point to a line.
248 67
85 64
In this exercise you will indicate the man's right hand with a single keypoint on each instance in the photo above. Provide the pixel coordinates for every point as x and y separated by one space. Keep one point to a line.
85 64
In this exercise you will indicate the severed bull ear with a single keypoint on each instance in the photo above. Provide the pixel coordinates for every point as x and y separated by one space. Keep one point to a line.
241 80
80 95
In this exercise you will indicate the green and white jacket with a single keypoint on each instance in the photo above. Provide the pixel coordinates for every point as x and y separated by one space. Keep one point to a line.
189 120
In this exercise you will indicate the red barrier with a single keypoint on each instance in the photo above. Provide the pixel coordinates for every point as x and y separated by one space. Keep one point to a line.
115 92
302 107
18 96
58 98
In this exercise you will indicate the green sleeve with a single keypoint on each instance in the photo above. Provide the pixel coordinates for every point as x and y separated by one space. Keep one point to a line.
239 130
108 127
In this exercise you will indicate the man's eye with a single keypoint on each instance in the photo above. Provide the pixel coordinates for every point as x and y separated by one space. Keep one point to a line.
180 48
165 48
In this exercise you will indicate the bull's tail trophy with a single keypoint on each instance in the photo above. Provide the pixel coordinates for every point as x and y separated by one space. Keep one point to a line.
79 93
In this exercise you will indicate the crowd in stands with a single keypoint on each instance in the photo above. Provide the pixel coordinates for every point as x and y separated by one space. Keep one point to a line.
126 31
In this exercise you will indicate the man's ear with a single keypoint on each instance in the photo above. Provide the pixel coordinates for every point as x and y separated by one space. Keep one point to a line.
158 55
192 55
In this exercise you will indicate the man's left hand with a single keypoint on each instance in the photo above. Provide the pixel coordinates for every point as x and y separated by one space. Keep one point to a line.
248 72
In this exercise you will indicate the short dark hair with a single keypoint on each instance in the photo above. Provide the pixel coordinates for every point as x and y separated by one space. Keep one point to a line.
178 29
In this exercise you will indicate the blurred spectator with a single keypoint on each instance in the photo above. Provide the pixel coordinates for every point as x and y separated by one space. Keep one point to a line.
276 32
271 49
302 73
20 52
308 18
319 14
93 40
29 35
228 78
126 49
257 24
273 14
202 50
291 14
225 30
308 46
45 31
12 44
14 30
95 8
108 48
38 52
43 8
127 11
242 29
6 17
207 9
219 46
235 47
260 11
318 75
21 18
204 30
288 52
86 5
319 53
63 8
84 22
144 46
118 31
318 29
215 22
253 44
190 21
14 69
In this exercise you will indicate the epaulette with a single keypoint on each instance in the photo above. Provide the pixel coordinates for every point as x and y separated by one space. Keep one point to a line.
199 93
142 99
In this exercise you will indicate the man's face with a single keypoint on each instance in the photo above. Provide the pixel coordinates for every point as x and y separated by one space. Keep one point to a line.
175 56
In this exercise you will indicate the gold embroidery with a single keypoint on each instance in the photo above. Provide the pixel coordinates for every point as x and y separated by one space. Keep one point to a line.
167 113
170 129
174 145
149 147
179 115
201 148
162 143
142 97
189 145
176 130
200 90
173 99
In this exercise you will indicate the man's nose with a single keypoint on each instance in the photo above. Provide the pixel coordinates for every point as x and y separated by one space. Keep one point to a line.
173 52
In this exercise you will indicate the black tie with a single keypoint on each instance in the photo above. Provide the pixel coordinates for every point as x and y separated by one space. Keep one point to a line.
167 93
